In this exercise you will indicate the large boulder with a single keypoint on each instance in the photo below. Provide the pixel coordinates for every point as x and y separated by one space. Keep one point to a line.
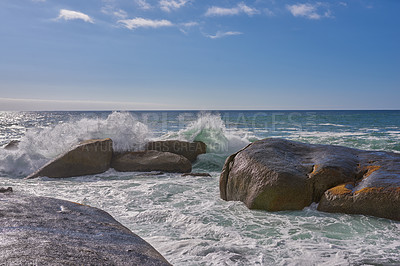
48 231
190 150
277 174
87 158
147 161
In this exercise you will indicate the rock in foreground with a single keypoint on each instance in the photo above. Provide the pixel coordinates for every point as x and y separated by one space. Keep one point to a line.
87 158
47 231
277 174
189 150
148 161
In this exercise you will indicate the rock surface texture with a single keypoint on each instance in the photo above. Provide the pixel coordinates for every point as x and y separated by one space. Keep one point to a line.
190 150
47 231
278 174
147 161
87 158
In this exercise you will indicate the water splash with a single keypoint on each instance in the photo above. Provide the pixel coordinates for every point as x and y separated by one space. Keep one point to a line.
39 145
210 129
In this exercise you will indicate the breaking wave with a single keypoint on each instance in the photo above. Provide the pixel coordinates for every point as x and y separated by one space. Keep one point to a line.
210 129
39 145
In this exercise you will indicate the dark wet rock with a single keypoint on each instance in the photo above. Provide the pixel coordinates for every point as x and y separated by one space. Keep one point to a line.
12 145
87 158
153 173
5 190
190 150
278 174
196 174
148 161
48 231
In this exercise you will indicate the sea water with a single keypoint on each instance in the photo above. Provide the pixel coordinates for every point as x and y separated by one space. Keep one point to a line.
184 217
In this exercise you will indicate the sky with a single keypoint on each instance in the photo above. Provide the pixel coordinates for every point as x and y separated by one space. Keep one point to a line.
199 54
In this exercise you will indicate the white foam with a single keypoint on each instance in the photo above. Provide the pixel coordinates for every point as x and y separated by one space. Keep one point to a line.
322 134
184 219
330 124
39 145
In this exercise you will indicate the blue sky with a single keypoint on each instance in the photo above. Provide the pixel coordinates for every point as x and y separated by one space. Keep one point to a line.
199 54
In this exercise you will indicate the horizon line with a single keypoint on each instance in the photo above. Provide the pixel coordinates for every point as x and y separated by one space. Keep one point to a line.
197 110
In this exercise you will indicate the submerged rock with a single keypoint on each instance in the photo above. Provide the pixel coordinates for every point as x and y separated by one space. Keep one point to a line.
44 231
153 173
5 190
148 161
277 174
190 150
12 145
196 174
87 158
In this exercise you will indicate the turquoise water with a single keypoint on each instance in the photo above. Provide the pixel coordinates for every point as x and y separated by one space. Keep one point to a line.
183 217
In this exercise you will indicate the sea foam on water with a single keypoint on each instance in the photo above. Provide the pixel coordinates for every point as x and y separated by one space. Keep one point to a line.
40 145
184 217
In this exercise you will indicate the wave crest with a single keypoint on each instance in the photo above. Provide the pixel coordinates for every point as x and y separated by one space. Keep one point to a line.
211 129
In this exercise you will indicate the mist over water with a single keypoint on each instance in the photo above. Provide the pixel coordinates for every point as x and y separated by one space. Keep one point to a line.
183 217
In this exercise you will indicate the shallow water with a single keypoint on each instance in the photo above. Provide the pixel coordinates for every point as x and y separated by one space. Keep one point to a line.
183 217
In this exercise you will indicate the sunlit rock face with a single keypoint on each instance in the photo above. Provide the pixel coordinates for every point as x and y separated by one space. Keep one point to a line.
87 158
277 174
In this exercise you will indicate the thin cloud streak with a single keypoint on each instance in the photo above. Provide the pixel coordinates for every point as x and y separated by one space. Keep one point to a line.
144 23
169 5
221 34
118 13
143 4
239 9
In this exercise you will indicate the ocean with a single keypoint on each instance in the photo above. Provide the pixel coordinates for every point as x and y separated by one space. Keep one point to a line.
184 217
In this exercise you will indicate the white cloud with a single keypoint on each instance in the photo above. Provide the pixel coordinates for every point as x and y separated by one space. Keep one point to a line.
71 15
222 11
221 34
144 23
168 5
143 4
309 11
